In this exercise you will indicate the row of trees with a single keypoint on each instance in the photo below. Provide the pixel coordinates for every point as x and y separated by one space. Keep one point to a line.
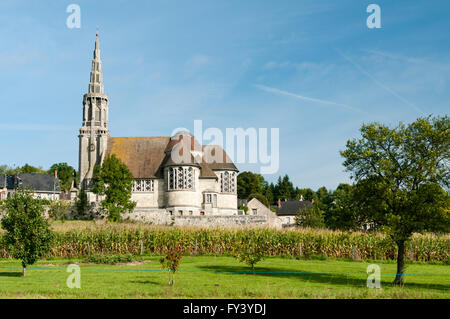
249 183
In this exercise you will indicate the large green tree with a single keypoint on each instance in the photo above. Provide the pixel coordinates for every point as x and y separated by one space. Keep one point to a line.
250 183
28 234
343 212
65 174
310 216
114 180
400 173
284 189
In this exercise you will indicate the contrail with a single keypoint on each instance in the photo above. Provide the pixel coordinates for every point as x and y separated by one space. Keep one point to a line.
305 98
398 96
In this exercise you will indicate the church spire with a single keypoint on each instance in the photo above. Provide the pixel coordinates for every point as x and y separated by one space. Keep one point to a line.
94 132
96 81
97 47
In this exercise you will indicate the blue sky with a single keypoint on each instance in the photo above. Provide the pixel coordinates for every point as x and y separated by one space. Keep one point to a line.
311 68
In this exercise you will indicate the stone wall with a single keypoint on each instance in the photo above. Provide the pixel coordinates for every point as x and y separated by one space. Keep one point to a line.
223 221
161 217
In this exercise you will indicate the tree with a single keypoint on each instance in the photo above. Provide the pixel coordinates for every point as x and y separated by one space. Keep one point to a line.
4 169
343 213
28 234
172 260
400 173
81 204
268 193
26 169
284 189
325 200
249 183
310 216
65 175
251 250
114 180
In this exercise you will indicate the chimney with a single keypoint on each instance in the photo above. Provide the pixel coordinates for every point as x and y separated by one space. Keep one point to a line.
279 203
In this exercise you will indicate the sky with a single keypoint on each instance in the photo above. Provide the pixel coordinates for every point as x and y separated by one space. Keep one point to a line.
313 69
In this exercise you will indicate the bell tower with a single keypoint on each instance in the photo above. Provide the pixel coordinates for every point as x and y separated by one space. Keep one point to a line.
94 133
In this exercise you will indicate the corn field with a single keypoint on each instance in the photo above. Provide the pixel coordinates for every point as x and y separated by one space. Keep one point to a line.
131 239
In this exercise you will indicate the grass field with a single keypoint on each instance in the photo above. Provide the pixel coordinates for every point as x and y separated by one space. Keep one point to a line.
219 277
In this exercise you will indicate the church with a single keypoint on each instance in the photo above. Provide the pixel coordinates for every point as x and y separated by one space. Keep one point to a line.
173 175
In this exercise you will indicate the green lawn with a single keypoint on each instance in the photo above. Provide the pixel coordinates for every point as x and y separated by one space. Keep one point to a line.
209 277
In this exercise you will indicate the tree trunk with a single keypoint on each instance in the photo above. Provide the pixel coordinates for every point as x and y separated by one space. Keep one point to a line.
400 263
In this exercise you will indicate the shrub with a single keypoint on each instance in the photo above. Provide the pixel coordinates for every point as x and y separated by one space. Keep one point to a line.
172 261
250 251
58 210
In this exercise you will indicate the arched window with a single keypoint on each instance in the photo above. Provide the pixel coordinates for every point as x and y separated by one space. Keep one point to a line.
228 182
180 178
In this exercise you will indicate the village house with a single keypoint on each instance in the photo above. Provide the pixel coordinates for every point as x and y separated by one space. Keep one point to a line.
287 210
42 186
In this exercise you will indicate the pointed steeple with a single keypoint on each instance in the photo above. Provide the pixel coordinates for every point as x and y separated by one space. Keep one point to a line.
96 80
94 131
97 47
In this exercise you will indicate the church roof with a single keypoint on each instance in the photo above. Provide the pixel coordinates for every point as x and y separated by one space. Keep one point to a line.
142 155
146 157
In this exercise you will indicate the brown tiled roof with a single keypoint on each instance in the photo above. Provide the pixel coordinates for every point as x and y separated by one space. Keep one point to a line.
147 156
142 155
